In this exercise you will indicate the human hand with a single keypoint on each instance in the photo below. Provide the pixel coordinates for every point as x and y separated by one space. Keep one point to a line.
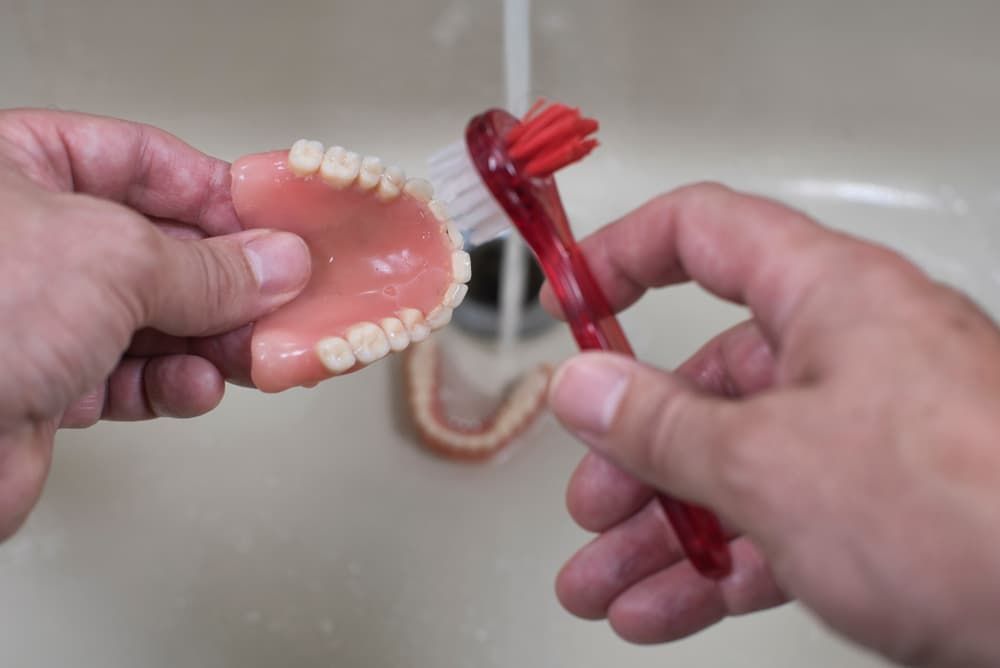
847 434
127 284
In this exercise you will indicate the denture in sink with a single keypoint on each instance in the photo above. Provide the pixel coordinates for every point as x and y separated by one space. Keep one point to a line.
388 264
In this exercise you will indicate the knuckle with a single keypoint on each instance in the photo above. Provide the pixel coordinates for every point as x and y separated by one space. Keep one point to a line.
873 264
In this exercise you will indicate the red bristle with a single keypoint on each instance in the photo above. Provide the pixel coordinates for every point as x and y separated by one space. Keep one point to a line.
519 129
540 122
554 134
550 163
535 108
548 139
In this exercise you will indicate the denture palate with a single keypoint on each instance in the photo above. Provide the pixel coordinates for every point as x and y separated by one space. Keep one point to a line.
387 263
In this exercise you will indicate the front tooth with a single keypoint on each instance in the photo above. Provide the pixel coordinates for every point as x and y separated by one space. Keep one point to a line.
454 235
415 324
391 183
420 189
335 353
455 294
305 157
396 332
371 173
461 266
439 317
340 167
368 342
439 209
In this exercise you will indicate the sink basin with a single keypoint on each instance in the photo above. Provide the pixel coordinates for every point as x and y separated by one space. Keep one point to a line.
307 528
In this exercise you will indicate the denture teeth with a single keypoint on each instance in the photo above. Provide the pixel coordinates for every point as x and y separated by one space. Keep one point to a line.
454 235
415 323
340 167
305 157
420 189
396 332
391 183
335 353
439 209
368 342
439 316
461 266
455 294
371 173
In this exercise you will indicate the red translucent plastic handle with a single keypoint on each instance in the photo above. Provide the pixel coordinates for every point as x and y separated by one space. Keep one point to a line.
596 328
532 203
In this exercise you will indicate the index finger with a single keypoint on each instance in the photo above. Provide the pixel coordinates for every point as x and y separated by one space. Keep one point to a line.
138 165
743 248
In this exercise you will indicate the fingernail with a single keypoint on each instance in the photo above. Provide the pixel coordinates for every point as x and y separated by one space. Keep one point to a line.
586 392
280 262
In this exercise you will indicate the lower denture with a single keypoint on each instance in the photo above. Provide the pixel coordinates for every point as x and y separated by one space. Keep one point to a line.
462 438
387 265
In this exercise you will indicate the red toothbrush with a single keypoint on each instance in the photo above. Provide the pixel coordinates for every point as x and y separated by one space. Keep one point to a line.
503 173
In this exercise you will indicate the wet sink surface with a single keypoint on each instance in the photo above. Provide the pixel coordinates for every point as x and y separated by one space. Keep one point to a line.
307 529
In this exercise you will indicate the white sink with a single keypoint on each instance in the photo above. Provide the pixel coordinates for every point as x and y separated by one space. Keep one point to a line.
307 529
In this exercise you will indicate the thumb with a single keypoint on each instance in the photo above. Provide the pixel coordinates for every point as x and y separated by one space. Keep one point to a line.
656 426
217 284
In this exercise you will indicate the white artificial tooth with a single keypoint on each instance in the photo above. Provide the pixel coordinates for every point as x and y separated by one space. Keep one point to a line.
461 266
368 342
340 167
396 332
335 353
415 324
455 294
439 209
454 235
391 183
305 157
420 189
371 173
439 317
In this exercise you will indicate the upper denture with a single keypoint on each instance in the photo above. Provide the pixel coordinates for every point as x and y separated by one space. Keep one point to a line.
387 263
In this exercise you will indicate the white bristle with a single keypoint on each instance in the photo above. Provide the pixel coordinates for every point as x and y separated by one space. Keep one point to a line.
471 205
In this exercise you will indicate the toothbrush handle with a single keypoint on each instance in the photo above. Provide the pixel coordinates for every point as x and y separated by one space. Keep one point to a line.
595 327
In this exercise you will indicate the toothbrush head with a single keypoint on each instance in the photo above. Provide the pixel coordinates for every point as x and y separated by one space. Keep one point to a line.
502 159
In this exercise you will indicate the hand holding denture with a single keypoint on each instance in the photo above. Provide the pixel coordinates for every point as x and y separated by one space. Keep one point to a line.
128 284
138 264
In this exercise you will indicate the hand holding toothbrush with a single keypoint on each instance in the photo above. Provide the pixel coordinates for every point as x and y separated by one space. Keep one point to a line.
847 434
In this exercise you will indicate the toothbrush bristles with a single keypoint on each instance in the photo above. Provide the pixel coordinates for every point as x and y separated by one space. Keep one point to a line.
547 140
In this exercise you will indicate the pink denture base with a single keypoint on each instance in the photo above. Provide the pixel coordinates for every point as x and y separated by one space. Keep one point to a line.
370 259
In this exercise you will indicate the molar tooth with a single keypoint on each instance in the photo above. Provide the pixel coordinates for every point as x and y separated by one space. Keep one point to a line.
455 294
420 189
305 157
396 332
335 353
415 324
371 173
461 266
439 317
439 209
391 183
340 167
368 342
454 235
